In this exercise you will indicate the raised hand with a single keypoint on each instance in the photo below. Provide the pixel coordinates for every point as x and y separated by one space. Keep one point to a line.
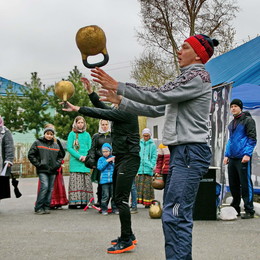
110 96
104 79
87 85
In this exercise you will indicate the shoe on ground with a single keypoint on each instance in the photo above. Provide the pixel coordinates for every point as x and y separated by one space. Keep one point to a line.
47 211
133 210
247 215
73 206
39 212
132 237
121 247
104 213
116 211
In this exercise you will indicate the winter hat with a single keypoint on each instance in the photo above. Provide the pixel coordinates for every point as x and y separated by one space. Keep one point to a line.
107 147
203 46
48 129
146 131
237 102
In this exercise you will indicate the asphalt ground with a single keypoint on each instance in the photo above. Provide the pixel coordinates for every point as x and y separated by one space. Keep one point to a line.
77 234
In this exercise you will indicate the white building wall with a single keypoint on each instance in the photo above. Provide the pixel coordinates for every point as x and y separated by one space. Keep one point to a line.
153 124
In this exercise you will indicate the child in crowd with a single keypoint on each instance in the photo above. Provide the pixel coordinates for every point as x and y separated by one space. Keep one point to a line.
46 156
106 167
163 161
59 197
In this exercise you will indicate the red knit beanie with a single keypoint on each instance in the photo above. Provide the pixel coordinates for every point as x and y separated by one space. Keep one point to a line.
203 46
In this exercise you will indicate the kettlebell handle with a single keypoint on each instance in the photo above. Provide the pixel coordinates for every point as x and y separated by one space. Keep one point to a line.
154 202
98 64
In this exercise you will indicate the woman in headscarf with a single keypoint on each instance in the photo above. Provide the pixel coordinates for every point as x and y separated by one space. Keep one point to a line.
98 139
80 185
143 180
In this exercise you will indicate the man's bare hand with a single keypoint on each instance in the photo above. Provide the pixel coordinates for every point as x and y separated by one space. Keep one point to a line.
104 79
70 107
225 161
87 85
110 96
245 159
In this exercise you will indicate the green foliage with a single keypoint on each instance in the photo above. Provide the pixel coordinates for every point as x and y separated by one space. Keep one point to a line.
63 120
30 112
34 105
10 110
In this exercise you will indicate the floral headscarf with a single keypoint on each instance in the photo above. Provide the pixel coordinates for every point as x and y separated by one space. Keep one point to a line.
74 125
75 129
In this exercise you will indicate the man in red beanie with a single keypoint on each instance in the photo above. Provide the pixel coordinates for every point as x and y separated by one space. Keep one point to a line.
238 155
185 102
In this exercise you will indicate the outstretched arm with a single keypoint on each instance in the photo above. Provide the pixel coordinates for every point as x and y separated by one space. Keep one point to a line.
131 106
185 87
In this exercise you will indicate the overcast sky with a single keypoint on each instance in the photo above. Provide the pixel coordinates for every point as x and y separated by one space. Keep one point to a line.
39 35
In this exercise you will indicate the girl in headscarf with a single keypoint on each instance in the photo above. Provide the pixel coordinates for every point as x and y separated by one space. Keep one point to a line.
80 185
95 152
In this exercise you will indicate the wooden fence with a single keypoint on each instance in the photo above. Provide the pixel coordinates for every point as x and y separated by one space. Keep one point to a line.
23 168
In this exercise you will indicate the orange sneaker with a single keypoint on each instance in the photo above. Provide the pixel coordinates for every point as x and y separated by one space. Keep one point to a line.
132 237
121 247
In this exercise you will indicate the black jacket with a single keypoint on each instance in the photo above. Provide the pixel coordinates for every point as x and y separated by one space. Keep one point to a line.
95 152
124 128
46 156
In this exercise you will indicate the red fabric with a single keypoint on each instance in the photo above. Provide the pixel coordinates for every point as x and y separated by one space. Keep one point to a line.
163 160
162 165
59 197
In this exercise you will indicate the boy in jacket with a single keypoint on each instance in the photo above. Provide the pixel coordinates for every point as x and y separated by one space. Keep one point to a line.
106 167
46 156
238 156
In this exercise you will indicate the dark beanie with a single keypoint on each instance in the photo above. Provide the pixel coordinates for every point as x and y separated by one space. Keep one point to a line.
203 46
237 102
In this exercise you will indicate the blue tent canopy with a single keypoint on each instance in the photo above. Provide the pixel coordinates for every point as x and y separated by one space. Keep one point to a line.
240 65
5 83
249 94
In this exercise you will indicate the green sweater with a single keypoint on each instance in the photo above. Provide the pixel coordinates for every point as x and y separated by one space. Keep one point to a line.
84 140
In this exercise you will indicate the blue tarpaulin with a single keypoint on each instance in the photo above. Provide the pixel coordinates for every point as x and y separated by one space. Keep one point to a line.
240 65
249 94
5 83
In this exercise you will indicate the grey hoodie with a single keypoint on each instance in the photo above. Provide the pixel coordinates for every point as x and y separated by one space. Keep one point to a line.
185 102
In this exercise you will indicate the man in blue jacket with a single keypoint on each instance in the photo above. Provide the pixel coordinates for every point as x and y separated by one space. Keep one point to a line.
238 155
